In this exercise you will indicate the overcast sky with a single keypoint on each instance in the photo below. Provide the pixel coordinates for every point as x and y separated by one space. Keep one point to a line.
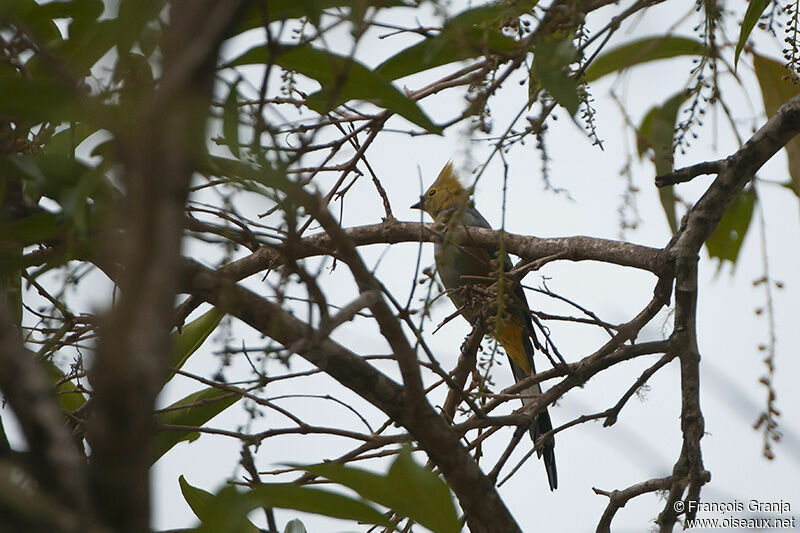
646 440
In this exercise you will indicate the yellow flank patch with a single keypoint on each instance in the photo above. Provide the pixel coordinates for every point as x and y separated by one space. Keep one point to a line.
509 335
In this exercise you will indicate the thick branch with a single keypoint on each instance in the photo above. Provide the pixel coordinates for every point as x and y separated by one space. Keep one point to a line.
577 248
465 365
689 173
735 172
158 156
55 463
697 226
688 469
618 498
485 510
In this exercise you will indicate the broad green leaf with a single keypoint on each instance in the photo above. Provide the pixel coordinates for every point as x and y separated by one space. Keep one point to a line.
67 140
666 195
408 489
230 119
194 410
656 132
429 495
754 10
53 175
294 526
39 227
132 18
81 191
292 9
37 100
642 51
135 72
191 337
44 227
230 504
31 16
725 243
550 62
89 41
313 10
201 503
342 79
85 10
775 90
69 401
150 39
473 33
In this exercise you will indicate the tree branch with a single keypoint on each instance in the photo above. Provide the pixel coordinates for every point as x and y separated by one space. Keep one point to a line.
159 157
578 248
689 173
55 464
485 510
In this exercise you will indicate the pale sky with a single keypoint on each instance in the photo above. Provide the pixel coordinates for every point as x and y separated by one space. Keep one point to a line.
645 442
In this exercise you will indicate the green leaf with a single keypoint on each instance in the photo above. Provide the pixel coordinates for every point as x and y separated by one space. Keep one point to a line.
201 503
656 132
198 499
292 9
642 51
754 10
67 140
725 243
295 526
313 10
550 62
134 71
89 41
230 504
85 10
191 337
194 410
342 79
473 33
37 100
150 39
36 228
775 90
132 18
230 119
408 489
69 401
53 175
31 16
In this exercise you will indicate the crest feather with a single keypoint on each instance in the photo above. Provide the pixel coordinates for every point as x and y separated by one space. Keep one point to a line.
448 179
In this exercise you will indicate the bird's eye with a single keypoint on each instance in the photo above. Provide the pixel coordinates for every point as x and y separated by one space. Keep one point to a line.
431 192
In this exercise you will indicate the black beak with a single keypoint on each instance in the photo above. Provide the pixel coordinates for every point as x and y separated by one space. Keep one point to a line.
417 205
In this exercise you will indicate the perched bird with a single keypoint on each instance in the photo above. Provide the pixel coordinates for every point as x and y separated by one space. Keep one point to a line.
466 271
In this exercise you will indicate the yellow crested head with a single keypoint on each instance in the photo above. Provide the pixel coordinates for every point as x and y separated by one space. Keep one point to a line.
445 193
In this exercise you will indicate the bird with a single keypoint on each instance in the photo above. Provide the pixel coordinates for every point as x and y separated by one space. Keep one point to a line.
466 271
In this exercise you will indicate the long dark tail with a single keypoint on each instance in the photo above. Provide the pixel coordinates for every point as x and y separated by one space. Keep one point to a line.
541 425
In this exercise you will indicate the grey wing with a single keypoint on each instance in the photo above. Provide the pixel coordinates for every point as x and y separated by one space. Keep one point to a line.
473 217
